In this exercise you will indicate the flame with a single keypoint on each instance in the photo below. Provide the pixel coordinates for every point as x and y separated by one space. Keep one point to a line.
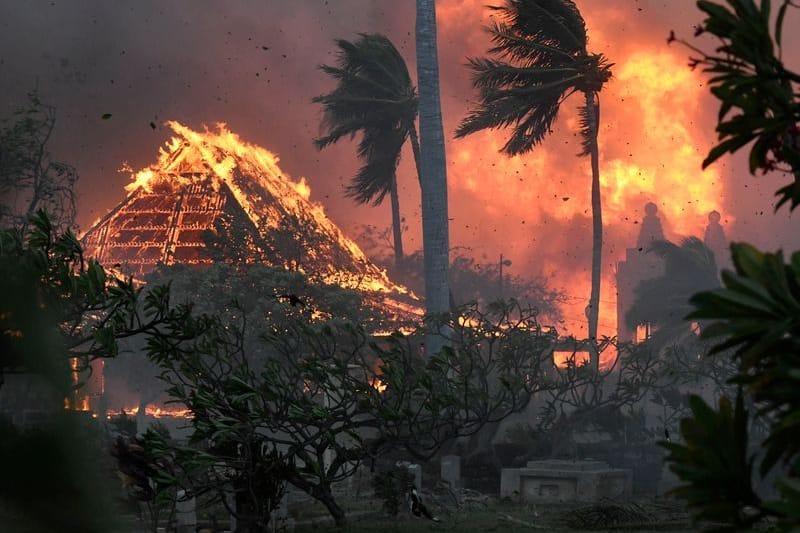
656 127
670 165
303 188
378 385
190 156
153 411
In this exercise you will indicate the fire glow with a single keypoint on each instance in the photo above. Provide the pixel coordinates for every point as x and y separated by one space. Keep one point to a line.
656 127
191 155
152 411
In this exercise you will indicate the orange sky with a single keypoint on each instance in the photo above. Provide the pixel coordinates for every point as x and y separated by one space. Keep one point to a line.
253 66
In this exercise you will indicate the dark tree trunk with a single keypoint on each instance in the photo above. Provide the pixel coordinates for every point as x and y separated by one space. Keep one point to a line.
433 172
322 493
336 512
597 230
397 228
247 516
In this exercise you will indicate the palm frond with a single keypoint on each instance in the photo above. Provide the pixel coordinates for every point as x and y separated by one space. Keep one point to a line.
554 22
531 118
491 73
517 47
380 150
540 59
373 97
345 126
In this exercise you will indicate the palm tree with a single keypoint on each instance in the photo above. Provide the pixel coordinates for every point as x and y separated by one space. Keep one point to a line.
374 97
433 172
664 301
541 59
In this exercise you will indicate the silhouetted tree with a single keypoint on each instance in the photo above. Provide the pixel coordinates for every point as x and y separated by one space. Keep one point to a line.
374 97
757 311
30 179
664 301
758 95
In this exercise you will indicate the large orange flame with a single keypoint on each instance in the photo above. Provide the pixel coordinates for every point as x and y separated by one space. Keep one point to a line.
251 173
656 127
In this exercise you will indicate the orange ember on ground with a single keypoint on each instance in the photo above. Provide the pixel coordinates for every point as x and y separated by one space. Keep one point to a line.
154 411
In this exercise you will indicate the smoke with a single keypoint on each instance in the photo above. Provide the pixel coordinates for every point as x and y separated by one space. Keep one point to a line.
253 65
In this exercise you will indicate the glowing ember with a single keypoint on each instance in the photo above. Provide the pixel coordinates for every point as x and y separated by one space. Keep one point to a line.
377 384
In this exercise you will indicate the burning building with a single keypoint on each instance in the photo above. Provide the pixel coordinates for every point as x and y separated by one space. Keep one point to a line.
211 196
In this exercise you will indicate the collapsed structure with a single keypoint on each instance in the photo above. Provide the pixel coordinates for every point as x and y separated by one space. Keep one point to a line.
211 196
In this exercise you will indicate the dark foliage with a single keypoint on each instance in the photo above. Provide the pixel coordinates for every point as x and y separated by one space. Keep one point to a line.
392 486
758 94
541 60
30 180
756 315
57 305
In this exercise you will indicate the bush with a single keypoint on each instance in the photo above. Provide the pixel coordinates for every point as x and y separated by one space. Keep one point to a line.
391 486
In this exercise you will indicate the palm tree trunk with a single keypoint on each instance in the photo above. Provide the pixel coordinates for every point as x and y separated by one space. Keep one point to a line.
433 173
396 222
593 105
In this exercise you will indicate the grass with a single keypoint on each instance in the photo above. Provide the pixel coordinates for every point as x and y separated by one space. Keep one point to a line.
505 517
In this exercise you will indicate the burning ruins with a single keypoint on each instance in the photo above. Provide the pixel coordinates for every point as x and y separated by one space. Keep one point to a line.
211 187
211 196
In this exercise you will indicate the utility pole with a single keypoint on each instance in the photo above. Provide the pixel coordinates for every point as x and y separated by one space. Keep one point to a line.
506 262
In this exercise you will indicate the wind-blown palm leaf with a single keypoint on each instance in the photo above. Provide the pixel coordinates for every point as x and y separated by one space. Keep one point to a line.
557 23
374 97
380 148
542 59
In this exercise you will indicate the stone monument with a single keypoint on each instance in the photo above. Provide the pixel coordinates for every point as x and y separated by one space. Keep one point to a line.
552 481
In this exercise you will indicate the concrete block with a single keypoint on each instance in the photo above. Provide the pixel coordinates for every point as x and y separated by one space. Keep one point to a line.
561 481
185 513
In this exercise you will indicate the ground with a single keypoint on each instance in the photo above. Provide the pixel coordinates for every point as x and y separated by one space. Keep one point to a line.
490 514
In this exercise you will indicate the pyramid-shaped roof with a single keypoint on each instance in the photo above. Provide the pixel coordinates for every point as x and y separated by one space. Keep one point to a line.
211 183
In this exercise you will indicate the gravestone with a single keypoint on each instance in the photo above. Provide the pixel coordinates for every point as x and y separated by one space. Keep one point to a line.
554 480
416 471
451 470
185 513
230 500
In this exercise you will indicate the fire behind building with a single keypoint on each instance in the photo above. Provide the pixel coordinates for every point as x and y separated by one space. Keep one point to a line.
641 265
